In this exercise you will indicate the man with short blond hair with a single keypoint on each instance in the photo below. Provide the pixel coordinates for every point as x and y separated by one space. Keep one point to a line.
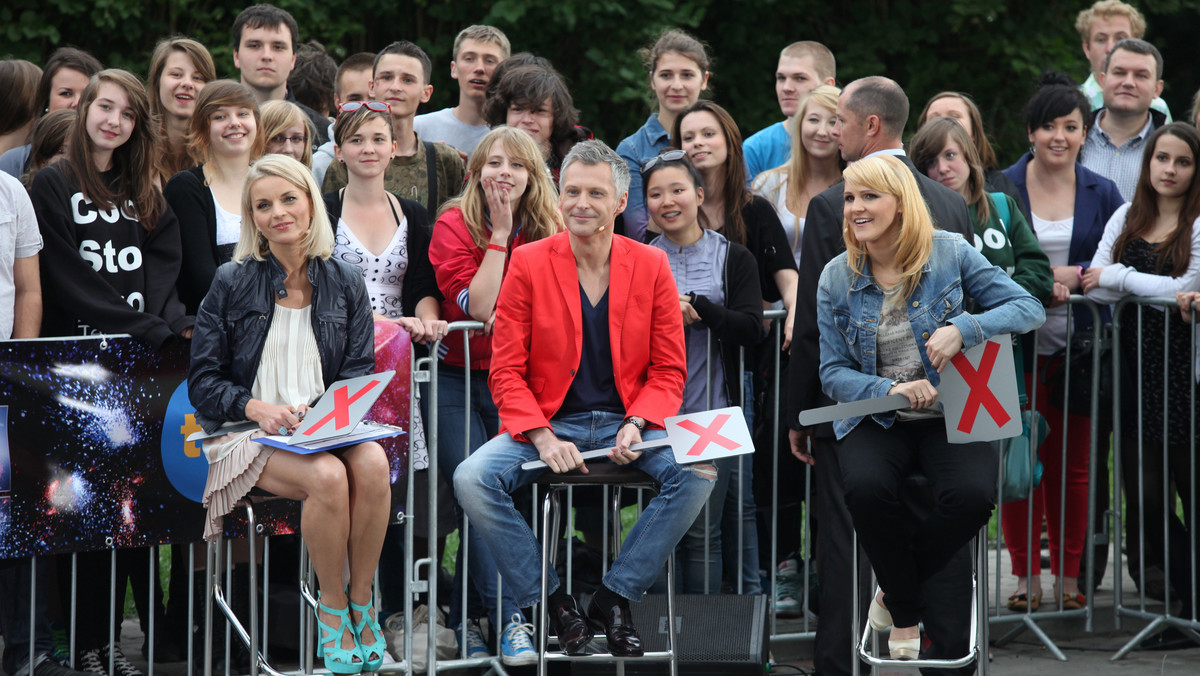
803 66
1101 27
477 52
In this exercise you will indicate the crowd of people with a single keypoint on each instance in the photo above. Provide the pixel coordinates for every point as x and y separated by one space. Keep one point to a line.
277 222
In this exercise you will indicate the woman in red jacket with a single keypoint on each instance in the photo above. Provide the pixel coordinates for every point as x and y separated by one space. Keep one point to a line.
508 201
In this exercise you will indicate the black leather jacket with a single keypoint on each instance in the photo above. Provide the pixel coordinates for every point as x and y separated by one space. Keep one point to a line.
231 329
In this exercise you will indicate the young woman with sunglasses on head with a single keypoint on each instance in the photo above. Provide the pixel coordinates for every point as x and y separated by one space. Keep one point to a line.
223 139
722 311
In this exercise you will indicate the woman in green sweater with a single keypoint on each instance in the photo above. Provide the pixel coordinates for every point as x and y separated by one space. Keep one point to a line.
944 152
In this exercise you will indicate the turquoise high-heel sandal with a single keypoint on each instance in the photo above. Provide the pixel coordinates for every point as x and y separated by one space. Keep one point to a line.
373 653
338 660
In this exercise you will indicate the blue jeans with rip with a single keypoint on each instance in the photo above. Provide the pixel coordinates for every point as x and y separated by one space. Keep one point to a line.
484 484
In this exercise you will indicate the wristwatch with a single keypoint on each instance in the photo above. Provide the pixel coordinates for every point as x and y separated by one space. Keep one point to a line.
634 420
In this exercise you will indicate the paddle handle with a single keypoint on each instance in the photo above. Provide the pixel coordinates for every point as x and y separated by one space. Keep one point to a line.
601 452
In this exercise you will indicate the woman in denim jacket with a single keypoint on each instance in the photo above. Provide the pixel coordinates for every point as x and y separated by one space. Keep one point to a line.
891 317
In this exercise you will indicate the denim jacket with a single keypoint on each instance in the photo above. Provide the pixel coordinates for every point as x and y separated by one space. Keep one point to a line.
850 305
231 330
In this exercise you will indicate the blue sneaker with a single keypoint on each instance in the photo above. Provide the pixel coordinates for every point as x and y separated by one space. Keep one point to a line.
474 647
516 644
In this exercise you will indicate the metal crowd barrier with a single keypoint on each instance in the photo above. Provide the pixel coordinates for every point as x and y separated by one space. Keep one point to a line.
1028 620
424 373
1155 457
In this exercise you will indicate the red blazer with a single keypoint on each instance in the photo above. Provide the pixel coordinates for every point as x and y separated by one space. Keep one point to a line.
538 336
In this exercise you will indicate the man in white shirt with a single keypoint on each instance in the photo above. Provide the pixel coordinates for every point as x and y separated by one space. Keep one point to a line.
1102 26
477 52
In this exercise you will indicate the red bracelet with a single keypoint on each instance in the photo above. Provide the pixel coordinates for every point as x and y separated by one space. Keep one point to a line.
1080 271
497 247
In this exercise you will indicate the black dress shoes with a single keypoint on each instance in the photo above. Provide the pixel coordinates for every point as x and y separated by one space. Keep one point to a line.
623 639
573 631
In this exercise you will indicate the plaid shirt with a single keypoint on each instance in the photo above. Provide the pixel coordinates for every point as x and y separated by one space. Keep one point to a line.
1121 165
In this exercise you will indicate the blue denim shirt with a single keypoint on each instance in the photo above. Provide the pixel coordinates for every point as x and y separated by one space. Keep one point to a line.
636 149
849 306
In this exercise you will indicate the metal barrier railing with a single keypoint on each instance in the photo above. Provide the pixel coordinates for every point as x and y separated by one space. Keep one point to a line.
1171 477
425 374
1026 620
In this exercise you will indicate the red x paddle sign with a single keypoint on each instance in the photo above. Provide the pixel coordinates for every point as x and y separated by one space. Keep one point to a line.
709 435
980 395
340 415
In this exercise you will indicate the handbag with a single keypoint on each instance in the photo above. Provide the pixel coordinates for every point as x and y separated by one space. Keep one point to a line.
1017 477
1083 345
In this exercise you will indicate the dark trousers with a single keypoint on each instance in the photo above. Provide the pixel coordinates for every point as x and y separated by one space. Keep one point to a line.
14 612
1163 527
905 552
948 591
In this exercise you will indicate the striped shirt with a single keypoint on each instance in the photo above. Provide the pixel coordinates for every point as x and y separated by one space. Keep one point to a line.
1121 165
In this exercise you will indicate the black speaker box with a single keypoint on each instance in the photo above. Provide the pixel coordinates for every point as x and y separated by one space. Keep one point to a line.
718 635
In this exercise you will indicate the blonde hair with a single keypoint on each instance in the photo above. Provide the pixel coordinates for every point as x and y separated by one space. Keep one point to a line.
888 175
1107 9
318 241
796 170
278 116
537 211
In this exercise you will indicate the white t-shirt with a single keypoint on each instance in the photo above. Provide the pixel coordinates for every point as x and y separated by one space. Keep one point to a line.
1055 238
445 127
19 238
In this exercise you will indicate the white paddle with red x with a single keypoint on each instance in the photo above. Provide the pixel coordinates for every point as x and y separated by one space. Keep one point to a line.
706 435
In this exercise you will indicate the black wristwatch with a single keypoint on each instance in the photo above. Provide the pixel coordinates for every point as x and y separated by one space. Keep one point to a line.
634 420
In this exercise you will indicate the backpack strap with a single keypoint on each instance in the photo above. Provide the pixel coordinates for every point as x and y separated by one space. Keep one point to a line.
431 169
1000 201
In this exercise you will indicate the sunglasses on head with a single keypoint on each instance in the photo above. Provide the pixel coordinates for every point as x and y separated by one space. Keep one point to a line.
377 106
668 156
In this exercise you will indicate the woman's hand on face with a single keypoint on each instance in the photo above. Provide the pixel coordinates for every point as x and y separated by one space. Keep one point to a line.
1059 295
943 345
1091 279
920 393
275 419
1185 300
1068 276
499 208
690 316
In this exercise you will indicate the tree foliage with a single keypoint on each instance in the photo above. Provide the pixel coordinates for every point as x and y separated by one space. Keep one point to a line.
992 50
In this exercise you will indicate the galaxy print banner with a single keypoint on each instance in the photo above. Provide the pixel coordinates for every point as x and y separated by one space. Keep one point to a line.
93 450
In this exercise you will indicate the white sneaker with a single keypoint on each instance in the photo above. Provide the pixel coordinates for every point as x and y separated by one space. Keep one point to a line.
787 586
516 645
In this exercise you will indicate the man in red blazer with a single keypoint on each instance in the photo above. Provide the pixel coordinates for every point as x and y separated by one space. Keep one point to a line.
588 352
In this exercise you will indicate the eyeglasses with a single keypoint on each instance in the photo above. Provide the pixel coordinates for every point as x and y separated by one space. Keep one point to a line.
294 140
377 106
668 156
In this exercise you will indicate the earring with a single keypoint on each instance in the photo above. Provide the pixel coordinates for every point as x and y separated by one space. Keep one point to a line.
1032 149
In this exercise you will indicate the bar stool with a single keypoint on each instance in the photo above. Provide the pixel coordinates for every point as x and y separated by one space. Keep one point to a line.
216 593
977 651
618 477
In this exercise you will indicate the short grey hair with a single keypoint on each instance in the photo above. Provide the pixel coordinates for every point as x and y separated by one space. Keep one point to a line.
593 152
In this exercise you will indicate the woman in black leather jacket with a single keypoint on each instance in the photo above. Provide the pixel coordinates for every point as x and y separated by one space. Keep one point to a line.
281 323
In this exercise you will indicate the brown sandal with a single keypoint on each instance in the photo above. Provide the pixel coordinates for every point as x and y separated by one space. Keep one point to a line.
1073 601
1019 602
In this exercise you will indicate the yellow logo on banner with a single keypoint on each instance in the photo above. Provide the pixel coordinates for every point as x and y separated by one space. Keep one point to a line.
191 449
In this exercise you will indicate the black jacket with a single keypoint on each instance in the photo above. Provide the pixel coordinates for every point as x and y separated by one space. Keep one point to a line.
231 329
192 202
737 323
822 243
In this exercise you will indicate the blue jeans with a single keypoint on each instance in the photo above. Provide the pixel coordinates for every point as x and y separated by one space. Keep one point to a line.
723 528
481 422
485 481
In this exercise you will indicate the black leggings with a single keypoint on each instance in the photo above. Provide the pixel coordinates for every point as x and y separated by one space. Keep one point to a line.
904 552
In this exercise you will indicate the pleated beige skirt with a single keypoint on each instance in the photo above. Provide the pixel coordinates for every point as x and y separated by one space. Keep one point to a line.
232 477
